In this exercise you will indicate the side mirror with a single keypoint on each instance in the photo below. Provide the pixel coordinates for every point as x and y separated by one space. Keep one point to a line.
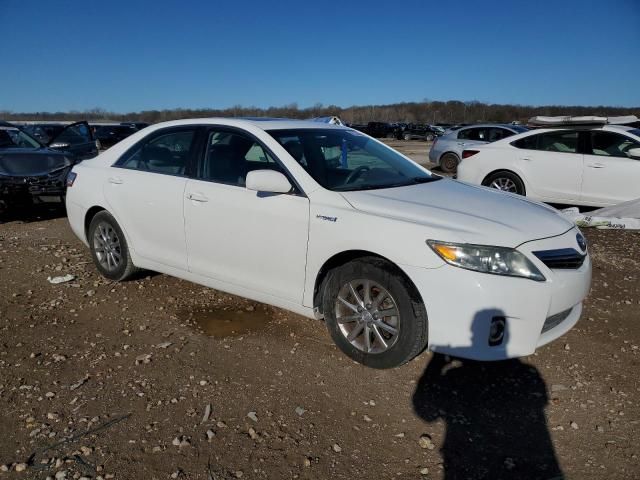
267 181
634 153
59 145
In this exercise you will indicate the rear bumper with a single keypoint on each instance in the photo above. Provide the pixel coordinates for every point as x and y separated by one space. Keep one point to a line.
461 305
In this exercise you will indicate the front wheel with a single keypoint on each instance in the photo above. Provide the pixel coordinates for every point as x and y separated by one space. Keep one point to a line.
109 248
505 181
407 136
373 313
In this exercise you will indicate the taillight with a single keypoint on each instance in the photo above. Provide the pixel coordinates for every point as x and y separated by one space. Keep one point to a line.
71 178
469 153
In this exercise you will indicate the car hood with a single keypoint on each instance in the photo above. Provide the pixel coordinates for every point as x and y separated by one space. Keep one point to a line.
460 212
23 162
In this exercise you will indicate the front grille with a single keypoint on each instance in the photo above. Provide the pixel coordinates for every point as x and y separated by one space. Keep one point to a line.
564 258
555 320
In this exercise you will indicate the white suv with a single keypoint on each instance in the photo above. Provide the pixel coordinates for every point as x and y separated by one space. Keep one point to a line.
327 222
579 165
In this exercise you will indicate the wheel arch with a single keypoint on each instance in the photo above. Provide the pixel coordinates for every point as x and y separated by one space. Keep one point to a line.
344 257
92 212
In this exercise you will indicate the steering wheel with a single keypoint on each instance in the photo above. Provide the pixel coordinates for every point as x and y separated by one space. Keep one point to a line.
353 176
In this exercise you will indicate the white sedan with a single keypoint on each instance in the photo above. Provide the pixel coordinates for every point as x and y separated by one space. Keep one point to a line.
329 223
579 165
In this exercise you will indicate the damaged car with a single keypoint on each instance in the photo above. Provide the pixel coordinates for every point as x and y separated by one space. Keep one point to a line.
32 171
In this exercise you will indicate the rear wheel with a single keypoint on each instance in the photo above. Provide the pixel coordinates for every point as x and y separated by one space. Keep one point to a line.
373 315
505 181
449 162
430 137
109 248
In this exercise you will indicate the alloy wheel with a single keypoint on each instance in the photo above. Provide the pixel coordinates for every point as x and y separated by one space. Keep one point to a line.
106 245
367 315
504 184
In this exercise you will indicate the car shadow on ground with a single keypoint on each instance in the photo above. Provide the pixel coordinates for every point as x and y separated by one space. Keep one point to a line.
29 213
494 415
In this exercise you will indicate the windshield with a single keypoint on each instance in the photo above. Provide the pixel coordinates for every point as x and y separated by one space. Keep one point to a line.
347 160
14 138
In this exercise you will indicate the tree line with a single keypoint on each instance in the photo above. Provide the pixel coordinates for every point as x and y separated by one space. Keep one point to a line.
431 112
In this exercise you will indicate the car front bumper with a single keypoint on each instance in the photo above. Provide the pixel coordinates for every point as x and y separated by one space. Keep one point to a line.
51 184
462 304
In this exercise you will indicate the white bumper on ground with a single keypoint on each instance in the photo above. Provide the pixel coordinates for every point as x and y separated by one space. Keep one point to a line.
461 305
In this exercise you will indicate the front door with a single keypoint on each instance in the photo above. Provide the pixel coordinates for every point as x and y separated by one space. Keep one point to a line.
610 175
250 239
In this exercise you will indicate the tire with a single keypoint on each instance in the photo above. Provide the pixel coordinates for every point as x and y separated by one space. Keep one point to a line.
430 138
105 235
386 281
505 181
449 162
406 136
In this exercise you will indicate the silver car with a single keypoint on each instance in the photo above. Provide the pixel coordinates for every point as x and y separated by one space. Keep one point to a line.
446 150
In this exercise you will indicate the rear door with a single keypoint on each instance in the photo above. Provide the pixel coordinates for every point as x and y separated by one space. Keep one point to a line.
472 136
552 165
610 175
254 240
76 139
145 191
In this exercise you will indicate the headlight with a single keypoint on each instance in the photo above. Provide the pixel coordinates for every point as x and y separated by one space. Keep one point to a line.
487 259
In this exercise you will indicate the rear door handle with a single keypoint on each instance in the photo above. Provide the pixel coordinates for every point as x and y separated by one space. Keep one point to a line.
197 197
115 180
596 165
526 159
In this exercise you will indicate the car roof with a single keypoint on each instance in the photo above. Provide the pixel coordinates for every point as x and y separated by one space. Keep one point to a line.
484 125
264 123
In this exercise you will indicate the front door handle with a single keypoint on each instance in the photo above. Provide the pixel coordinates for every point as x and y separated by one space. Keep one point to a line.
526 159
596 165
197 197
115 180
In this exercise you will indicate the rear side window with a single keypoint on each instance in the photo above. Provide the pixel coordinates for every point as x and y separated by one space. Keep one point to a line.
478 134
562 141
609 144
166 153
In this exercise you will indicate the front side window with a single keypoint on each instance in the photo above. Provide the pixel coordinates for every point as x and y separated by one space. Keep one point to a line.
609 144
166 153
73 135
231 155
496 134
346 160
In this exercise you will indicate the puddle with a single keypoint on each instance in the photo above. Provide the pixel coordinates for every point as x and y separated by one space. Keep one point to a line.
230 322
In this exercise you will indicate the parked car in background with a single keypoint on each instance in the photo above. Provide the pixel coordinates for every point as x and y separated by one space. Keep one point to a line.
137 125
262 209
419 132
581 165
75 139
32 171
374 129
109 135
446 151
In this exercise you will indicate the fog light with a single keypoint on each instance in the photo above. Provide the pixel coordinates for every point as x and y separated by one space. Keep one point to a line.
496 331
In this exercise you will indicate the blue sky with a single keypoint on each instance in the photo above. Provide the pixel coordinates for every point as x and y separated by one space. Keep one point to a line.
133 55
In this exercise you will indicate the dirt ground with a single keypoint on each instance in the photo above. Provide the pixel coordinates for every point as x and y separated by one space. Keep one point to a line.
159 378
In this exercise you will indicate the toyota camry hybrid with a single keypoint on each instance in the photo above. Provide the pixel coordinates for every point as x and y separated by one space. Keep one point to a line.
327 222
